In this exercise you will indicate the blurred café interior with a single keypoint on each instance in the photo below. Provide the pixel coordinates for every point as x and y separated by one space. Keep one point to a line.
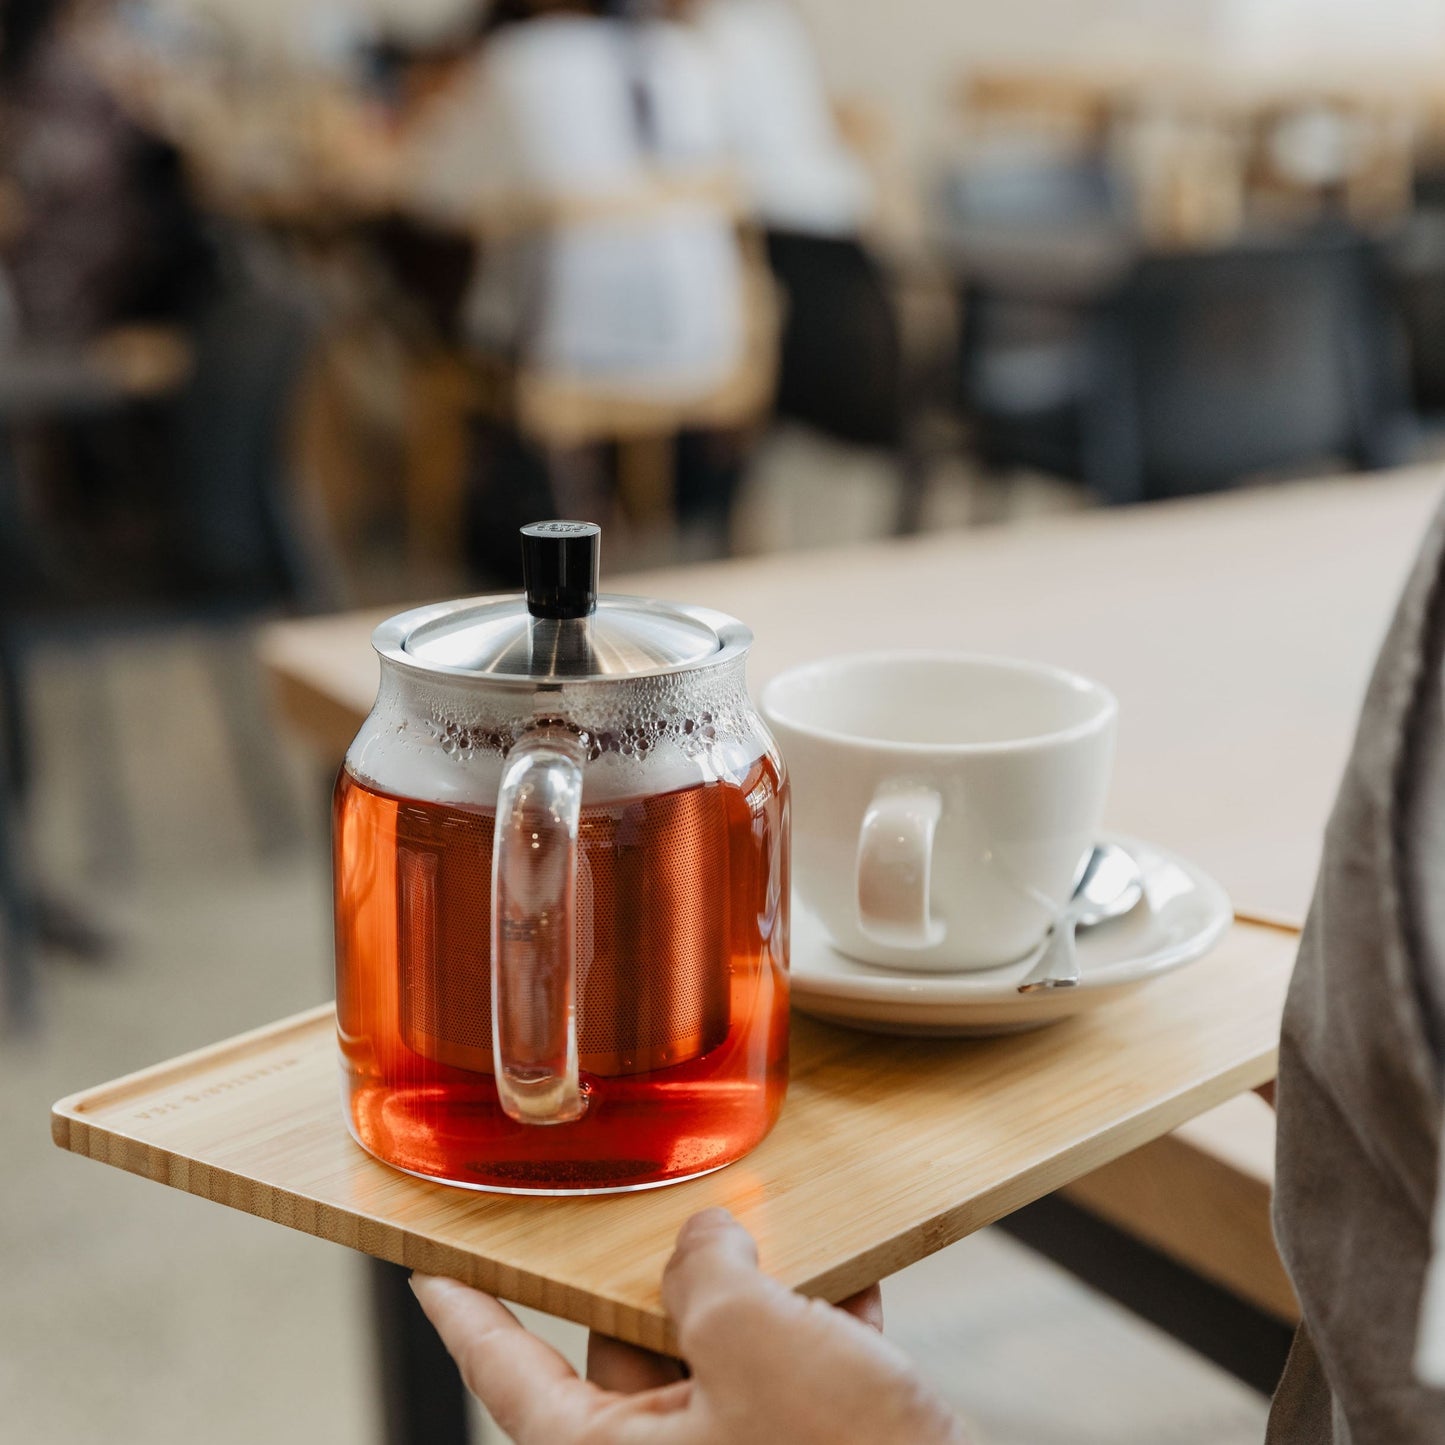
307 306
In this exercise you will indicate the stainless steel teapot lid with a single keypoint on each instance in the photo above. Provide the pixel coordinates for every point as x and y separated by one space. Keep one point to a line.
560 628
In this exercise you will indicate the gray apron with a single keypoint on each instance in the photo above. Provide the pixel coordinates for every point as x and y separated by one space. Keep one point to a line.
1360 1060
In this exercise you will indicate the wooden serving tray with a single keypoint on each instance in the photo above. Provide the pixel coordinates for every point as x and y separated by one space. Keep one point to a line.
887 1149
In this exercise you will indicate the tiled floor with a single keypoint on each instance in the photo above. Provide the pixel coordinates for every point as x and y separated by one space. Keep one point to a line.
133 1313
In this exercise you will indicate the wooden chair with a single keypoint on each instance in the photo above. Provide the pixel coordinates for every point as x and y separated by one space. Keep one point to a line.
1061 106
1187 173
563 414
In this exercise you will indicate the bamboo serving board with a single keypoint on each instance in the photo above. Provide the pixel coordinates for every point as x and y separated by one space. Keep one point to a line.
887 1149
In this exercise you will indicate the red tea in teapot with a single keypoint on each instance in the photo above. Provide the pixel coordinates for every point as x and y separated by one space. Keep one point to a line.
681 998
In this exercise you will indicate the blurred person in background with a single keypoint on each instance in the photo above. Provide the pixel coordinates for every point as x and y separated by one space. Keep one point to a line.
579 146
782 132
104 230
103 254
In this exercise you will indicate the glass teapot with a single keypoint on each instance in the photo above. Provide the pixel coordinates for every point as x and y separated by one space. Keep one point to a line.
561 867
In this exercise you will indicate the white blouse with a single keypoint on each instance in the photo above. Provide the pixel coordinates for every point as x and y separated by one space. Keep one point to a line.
571 108
780 126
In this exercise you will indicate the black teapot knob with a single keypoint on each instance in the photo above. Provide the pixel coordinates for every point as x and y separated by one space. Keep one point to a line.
560 562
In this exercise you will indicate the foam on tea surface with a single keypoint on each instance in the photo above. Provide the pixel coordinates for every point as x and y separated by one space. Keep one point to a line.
441 742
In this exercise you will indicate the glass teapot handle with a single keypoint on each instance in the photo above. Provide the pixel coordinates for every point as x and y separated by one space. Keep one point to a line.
534 892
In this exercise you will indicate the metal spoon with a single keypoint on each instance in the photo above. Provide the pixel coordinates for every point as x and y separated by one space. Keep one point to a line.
1109 886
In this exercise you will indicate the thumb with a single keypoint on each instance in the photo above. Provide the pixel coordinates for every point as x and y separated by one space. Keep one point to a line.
712 1286
713 1253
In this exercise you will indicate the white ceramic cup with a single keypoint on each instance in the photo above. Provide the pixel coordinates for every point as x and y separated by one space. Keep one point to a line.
943 803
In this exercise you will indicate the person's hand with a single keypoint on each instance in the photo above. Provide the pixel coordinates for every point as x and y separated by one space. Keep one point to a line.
768 1366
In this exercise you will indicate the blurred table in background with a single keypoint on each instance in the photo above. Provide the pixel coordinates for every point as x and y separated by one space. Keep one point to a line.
1076 264
42 380
1237 630
1204 145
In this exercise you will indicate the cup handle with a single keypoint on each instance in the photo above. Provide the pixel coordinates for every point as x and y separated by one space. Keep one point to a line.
534 892
895 864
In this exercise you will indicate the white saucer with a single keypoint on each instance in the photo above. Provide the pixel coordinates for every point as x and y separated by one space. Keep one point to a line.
1182 916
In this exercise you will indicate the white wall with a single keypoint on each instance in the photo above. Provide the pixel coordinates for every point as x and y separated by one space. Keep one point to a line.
1332 31
908 54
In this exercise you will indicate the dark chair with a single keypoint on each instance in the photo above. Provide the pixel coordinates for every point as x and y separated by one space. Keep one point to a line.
1034 242
1204 368
841 364
1045 190
17 982
1417 258
1023 375
235 527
